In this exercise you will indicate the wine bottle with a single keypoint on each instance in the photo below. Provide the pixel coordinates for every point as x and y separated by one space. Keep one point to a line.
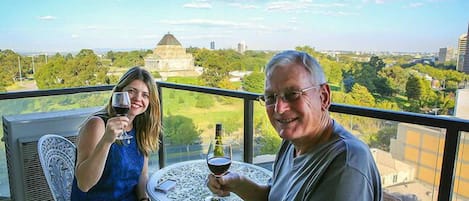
218 150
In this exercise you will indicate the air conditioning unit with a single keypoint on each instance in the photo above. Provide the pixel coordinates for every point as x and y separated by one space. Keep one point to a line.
21 133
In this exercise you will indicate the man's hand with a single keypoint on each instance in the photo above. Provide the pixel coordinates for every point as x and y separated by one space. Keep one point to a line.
223 185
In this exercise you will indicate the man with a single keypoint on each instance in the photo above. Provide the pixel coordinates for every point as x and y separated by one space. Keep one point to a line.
318 159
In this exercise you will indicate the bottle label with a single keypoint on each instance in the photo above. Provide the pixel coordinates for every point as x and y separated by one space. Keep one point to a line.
218 150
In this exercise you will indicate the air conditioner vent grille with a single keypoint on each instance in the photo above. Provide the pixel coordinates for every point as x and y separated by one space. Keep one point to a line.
35 183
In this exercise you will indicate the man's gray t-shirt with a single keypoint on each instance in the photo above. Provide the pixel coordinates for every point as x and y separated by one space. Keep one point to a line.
341 169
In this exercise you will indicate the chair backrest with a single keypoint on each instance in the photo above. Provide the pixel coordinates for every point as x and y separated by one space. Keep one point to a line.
57 155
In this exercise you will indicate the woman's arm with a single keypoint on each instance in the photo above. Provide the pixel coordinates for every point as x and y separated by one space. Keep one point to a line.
94 142
142 181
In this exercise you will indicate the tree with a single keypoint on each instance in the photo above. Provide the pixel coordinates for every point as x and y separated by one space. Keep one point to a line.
84 69
383 86
365 76
128 59
225 83
382 139
361 96
8 67
254 82
180 130
215 70
397 77
348 82
414 88
50 75
377 63
268 139
387 105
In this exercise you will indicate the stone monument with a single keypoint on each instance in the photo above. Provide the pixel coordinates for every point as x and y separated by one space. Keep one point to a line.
170 59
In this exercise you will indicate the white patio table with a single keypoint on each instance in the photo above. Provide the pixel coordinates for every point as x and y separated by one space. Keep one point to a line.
190 179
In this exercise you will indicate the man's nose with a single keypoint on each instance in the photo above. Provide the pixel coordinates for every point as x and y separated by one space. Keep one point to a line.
281 105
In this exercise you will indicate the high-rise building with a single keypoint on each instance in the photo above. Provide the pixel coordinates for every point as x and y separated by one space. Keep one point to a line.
450 54
212 45
442 55
465 67
462 45
242 47
446 54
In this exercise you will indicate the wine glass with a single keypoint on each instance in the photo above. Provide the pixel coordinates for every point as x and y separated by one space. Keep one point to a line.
121 105
218 161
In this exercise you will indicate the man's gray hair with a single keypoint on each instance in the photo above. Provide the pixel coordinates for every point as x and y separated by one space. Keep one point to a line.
303 58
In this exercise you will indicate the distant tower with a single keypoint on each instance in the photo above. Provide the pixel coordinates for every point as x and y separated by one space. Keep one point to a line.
465 67
442 55
212 45
462 45
450 54
242 47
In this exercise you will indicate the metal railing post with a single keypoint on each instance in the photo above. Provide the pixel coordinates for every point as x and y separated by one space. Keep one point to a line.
161 148
248 130
445 190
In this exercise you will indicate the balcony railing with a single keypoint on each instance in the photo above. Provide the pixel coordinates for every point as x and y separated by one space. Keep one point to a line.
453 126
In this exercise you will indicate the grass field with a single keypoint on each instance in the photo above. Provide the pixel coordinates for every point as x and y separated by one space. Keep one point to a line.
229 111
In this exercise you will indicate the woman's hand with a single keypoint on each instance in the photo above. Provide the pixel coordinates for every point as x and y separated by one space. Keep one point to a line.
115 126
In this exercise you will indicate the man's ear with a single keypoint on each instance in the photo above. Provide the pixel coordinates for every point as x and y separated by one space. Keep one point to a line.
325 94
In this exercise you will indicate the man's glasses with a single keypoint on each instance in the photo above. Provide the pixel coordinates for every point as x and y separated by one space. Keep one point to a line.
289 96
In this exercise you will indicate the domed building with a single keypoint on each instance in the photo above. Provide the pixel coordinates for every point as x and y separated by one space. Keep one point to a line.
170 59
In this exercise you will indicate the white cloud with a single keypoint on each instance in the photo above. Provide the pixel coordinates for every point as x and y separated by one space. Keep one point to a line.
335 13
201 22
75 36
47 17
376 1
204 36
257 18
285 6
204 23
91 27
203 5
293 20
328 5
415 5
243 6
301 5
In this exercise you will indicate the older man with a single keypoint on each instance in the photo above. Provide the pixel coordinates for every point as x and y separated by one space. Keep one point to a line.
318 159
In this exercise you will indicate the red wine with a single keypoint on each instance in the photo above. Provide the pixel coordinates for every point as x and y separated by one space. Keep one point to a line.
121 111
218 165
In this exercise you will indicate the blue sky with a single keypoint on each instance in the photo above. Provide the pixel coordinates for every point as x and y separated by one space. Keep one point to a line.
363 25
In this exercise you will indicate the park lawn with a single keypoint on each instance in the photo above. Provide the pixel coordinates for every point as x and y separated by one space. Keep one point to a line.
25 85
203 118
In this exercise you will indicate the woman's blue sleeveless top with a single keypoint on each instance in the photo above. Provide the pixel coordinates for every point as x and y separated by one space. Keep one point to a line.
120 177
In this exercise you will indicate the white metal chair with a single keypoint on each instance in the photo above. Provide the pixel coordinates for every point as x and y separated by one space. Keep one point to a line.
57 155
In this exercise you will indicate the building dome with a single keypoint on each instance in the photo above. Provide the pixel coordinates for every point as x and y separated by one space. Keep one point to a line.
169 39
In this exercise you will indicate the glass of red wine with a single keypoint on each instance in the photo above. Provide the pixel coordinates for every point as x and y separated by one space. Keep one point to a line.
218 161
121 105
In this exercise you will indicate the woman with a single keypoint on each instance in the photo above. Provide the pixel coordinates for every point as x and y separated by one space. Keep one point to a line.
110 169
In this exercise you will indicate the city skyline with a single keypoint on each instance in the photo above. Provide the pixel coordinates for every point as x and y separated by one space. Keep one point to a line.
349 25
